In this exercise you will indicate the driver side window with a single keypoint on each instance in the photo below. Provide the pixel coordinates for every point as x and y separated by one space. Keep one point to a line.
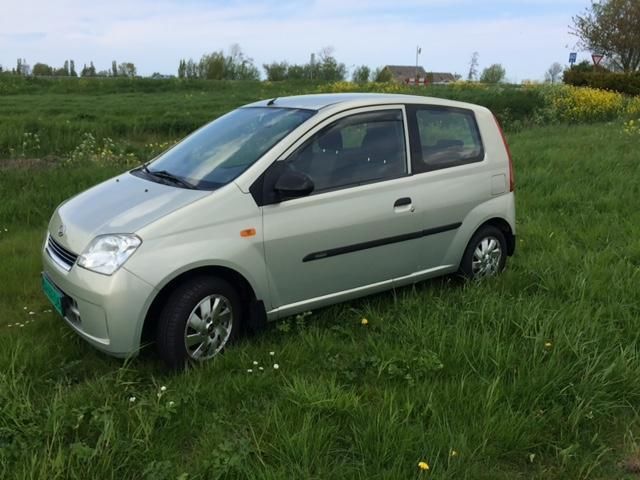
355 150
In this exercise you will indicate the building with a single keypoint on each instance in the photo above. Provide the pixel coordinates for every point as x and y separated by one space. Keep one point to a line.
407 74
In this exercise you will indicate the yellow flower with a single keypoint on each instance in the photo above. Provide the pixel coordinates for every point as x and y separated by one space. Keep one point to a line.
423 465
364 322
453 453
548 345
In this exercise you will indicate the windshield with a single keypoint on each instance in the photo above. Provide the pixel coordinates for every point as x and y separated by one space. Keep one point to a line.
220 151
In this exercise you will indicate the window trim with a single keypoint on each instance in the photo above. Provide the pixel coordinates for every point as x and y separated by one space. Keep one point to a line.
416 141
258 188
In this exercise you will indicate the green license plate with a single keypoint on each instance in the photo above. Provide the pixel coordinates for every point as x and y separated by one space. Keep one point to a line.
53 294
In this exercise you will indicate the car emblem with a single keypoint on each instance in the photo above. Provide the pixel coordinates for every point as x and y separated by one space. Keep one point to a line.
61 230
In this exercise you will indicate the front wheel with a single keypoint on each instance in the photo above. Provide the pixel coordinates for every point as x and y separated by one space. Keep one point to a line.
200 318
486 254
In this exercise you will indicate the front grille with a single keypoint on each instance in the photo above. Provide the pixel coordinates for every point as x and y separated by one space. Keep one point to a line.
63 257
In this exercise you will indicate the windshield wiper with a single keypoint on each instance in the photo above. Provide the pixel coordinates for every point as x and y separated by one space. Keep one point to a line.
171 177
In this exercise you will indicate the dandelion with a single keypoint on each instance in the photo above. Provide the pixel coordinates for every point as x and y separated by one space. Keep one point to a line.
132 399
260 368
249 370
32 313
364 322
163 389
171 403
423 465
276 366
24 308
255 362
272 353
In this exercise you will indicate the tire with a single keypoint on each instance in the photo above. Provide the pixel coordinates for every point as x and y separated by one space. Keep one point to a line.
200 318
477 265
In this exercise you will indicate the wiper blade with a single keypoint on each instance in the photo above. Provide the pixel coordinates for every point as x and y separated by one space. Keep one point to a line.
171 177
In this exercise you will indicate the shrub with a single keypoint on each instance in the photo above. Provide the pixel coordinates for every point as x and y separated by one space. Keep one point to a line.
628 83
582 104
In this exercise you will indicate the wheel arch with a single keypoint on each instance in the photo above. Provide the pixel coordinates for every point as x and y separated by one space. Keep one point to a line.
252 306
504 226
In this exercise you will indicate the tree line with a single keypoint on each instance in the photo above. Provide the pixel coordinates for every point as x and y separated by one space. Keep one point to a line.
68 69
608 27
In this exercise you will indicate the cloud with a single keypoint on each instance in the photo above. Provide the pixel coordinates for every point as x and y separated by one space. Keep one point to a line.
525 37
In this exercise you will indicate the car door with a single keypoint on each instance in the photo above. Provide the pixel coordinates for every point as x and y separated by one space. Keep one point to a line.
352 234
450 179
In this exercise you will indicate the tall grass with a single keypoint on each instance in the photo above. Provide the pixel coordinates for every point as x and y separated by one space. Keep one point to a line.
532 375
141 111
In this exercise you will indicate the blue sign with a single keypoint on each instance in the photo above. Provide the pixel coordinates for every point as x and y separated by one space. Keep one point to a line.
573 57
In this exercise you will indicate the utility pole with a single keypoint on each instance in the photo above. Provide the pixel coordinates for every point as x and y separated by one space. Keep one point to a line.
418 52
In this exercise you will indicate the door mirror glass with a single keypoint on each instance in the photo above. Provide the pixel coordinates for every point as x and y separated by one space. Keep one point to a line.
293 184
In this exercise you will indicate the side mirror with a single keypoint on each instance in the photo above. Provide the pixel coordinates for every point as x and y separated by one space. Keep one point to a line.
293 184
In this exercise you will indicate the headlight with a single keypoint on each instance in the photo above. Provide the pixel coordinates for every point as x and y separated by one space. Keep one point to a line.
107 253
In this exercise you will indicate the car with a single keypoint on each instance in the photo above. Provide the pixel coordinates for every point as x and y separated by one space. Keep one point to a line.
276 208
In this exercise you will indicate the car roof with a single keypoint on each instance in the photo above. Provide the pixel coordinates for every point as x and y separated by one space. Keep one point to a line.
353 100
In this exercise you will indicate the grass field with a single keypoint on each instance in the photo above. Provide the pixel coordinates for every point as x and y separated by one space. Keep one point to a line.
138 112
535 374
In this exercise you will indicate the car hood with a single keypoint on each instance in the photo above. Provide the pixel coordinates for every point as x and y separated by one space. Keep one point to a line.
123 204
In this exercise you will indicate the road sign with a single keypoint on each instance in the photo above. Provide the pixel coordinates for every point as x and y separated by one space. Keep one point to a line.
597 58
573 58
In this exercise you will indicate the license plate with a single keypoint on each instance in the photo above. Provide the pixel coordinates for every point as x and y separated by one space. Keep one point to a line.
54 295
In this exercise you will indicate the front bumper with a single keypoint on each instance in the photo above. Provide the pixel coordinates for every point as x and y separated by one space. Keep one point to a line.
107 311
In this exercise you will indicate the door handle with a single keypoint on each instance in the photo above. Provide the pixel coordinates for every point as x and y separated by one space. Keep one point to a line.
402 202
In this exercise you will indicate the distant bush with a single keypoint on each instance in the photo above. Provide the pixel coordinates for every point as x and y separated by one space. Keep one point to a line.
628 83
583 104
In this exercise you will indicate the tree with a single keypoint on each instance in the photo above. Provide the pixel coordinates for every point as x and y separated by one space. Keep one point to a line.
212 66
66 67
610 27
114 68
473 67
328 69
361 74
238 66
299 72
22 68
42 69
89 71
553 74
126 69
493 74
191 69
382 75
276 71
72 68
182 69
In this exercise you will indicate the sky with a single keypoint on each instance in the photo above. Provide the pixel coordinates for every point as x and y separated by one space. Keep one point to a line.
525 36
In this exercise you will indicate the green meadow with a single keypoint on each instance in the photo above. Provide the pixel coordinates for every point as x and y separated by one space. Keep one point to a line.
533 375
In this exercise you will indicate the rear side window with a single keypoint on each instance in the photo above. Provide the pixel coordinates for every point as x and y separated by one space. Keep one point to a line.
443 137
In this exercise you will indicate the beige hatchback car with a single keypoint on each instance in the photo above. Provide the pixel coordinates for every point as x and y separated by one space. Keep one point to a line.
279 207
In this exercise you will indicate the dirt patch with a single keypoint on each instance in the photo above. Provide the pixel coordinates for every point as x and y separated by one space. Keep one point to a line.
631 464
30 163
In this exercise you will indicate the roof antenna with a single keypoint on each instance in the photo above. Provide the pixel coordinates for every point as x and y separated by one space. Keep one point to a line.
271 102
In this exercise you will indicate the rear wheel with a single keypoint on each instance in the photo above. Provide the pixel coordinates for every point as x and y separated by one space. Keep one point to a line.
200 318
486 254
